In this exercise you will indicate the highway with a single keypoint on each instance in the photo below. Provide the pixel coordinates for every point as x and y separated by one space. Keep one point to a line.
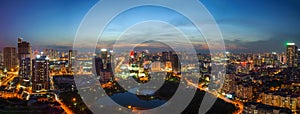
10 77
239 105
117 68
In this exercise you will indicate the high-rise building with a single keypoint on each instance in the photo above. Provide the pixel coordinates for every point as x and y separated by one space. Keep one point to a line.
24 49
98 65
292 54
176 64
10 58
104 57
166 56
25 68
71 60
24 58
40 73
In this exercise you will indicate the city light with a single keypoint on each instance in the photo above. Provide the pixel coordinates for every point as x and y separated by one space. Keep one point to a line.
131 66
290 44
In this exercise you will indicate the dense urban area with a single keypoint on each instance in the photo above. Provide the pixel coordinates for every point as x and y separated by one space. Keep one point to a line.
35 81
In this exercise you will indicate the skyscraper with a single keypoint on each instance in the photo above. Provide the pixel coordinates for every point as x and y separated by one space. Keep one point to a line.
166 56
98 65
25 68
71 60
104 58
40 74
10 58
24 57
24 49
292 54
176 64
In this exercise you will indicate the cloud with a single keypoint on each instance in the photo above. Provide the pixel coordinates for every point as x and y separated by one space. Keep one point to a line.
275 43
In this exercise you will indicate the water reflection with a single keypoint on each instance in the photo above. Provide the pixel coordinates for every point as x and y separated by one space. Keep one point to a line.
143 97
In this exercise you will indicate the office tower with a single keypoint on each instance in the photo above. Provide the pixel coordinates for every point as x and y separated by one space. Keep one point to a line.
24 49
40 74
71 60
10 58
98 65
25 69
104 57
166 56
292 54
176 64
24 58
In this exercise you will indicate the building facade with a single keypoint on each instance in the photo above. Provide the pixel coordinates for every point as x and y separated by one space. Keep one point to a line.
292 54
40 74
10 58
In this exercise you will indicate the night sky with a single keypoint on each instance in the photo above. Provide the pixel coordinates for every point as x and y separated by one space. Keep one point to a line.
246 25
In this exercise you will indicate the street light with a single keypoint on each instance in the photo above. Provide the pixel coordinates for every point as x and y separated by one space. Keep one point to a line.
74 99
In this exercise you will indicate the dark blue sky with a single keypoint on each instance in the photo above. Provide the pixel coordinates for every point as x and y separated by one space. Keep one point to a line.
251 25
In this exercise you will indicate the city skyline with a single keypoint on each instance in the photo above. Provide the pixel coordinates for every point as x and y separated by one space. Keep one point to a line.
151 56
267 24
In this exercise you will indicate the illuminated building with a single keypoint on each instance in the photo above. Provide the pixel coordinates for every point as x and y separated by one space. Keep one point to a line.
105 76
244 92
229 85
156 66
71 60
281 99
10 58
257 60
25 68
40 74
283 58
24 49
292 54
168 65
98 65
51 53
166 56
176 64
259 108
104 57
24 57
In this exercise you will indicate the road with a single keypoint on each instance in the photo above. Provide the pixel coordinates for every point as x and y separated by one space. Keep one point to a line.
239 105
117 68
10 77
65 107
62 105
